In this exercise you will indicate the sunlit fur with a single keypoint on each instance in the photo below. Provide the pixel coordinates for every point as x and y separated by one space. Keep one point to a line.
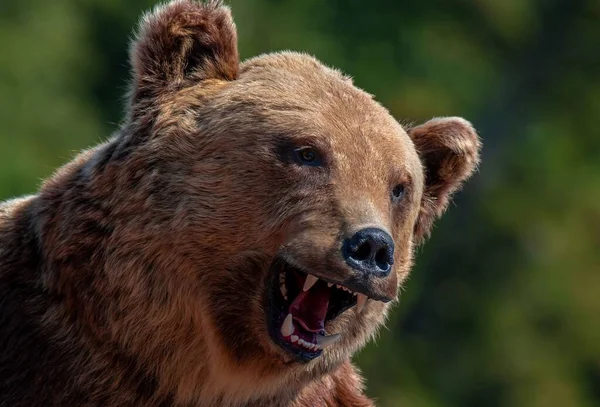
137 274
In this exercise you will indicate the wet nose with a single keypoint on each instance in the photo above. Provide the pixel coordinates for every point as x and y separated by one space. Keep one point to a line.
370 251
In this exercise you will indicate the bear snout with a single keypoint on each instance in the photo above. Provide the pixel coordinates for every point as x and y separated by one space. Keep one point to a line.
369 251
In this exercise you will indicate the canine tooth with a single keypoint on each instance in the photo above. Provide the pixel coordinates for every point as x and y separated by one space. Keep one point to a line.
325 341
329 285
360 302
287 328
310 281
294 338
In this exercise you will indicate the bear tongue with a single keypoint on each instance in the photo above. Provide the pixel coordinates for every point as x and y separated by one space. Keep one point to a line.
309 308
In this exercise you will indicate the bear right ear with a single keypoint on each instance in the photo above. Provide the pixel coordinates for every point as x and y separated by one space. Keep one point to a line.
182 43
449 150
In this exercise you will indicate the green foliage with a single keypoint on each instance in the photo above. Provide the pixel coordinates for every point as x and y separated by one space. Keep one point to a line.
503 307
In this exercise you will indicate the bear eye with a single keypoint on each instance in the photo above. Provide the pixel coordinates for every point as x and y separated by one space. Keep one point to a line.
398 192
308 156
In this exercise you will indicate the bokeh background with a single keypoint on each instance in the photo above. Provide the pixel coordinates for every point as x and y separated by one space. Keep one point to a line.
503 307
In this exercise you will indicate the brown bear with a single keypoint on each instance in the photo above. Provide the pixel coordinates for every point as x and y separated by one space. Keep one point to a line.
238 239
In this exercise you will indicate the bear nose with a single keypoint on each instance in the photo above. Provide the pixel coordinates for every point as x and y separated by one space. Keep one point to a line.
370 251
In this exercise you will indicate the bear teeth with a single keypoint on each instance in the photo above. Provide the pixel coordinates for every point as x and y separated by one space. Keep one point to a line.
282 286
309 282
308 345
312 280
287 328
283 290
325 341
361 300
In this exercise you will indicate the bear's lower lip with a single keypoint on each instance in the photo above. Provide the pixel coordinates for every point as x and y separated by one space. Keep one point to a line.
299 308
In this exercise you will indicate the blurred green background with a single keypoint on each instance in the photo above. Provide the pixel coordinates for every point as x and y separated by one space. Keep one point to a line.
503 307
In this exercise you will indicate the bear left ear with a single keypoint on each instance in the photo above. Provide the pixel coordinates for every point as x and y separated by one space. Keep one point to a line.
181 43
449 150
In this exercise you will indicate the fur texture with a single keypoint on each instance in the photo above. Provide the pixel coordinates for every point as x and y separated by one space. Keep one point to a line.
137 276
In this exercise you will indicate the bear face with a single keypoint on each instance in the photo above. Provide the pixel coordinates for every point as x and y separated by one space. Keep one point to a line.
247 221
303 197
317 163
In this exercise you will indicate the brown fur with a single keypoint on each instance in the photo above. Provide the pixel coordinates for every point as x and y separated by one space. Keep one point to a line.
137 275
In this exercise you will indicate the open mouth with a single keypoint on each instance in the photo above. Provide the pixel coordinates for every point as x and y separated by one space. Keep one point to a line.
301 306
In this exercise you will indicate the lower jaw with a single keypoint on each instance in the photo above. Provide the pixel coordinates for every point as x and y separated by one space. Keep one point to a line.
292 349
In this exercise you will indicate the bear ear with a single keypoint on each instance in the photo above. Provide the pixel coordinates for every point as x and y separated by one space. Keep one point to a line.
449 150
181 43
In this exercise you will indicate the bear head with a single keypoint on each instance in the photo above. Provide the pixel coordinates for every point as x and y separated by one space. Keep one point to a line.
292 200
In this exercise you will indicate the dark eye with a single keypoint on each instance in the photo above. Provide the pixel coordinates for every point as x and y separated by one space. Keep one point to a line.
308 156
398 192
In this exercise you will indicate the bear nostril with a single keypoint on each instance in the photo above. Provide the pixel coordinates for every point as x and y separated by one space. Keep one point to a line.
370 251
382 258
363 251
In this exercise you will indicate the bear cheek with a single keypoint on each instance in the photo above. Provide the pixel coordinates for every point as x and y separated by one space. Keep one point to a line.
236 311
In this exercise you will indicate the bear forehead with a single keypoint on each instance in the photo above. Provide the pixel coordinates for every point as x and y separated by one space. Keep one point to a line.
312 99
